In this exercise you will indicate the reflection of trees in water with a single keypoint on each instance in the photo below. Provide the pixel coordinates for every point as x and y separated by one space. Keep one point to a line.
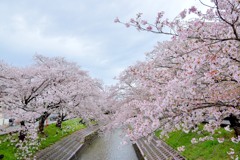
108 147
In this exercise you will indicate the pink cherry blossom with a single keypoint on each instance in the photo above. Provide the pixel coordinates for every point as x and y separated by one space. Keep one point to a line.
143 22
149 28
127 25
220 140
183 14
193 9
181 148
116 20
194 141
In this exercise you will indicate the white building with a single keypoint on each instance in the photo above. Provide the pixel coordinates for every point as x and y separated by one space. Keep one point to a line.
3 121
1 117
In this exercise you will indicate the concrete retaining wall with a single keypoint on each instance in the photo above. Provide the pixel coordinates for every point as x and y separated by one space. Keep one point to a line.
138 152
87 141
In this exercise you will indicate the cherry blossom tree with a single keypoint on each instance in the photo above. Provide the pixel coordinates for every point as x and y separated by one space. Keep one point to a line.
51 85
188 79
69 83
15 99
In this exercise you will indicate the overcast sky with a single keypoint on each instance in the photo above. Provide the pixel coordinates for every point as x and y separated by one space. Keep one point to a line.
82 31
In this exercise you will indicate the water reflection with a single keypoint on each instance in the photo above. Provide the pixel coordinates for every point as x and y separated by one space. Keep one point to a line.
108 147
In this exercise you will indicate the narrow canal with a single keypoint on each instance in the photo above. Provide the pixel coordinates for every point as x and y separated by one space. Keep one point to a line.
108 147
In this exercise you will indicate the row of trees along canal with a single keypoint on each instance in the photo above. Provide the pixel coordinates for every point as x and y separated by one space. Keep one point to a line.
188 79
50 85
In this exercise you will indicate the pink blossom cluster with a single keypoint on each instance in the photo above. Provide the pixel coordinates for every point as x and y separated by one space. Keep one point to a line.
232 154
181 148
235 140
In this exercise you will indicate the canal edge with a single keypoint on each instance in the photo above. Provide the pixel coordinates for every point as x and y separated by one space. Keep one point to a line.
87 141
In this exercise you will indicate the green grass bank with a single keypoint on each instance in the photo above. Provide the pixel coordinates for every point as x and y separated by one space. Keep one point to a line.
52 135
205 150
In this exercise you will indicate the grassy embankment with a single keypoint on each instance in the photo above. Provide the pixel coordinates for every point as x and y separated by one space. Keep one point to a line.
207 150
52 135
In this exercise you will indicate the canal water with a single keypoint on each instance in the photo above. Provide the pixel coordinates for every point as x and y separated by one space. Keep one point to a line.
108 147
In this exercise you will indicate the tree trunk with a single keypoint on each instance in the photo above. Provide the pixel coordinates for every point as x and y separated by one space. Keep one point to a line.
234 124
23 132
59 123
60 120
42 122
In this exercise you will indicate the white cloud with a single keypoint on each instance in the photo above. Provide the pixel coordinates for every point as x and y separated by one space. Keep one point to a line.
81 31
27 36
